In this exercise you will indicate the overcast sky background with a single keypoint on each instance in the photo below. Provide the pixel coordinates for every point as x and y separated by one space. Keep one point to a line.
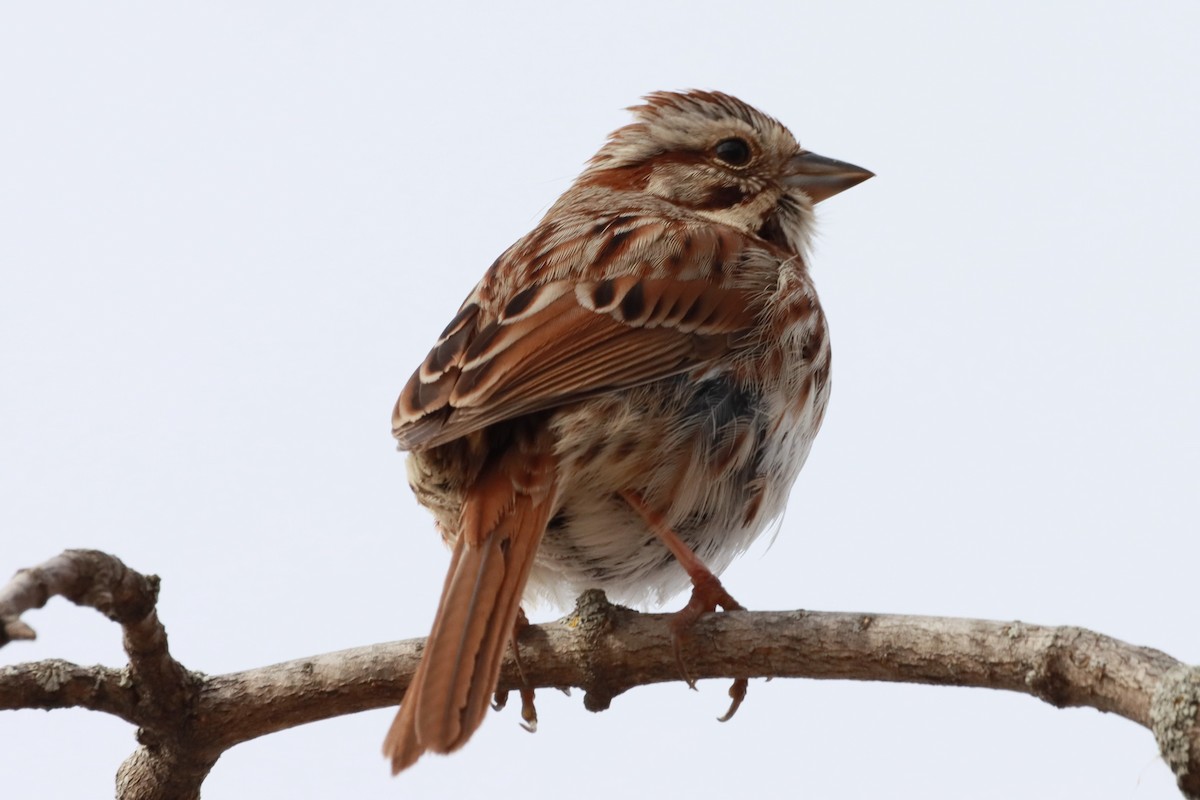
229 232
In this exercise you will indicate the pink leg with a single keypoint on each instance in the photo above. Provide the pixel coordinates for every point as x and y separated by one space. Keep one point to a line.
500 699
707 593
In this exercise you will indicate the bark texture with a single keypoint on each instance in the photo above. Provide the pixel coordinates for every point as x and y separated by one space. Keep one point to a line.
186 720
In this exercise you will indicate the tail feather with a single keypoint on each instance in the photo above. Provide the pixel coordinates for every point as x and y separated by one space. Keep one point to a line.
504 516
519 555
457 645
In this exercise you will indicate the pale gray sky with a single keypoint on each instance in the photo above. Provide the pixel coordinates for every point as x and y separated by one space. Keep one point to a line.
229 231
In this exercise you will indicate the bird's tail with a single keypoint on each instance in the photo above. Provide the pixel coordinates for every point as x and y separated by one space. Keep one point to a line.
504 514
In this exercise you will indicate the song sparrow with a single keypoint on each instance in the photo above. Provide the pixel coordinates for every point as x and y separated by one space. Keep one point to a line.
626 397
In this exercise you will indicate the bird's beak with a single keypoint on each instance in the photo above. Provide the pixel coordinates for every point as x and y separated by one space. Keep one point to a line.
821 178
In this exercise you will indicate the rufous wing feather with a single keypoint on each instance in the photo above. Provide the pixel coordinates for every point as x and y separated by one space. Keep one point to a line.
567 341
504 515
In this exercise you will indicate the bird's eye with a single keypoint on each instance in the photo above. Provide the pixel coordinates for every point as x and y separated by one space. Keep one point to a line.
734 152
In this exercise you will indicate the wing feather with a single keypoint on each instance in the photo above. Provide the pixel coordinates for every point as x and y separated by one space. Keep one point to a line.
564 340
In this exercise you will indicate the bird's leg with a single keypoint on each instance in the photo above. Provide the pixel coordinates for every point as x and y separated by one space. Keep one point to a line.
707 593
521 623
528 710
500 699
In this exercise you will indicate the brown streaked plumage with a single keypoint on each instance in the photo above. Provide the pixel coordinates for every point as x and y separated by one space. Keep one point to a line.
625 399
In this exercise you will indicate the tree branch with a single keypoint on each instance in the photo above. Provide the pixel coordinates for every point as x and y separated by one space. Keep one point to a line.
187 720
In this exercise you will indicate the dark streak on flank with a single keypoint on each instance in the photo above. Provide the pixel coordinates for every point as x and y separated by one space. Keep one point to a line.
626 448
721 401
820 377
593 454
752 505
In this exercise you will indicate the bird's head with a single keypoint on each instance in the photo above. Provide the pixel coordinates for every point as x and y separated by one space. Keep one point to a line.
713 155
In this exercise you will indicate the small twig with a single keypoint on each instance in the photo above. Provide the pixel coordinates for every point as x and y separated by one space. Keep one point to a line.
101 581
61 684
154 692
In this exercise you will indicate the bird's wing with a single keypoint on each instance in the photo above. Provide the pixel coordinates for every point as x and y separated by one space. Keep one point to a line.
636 320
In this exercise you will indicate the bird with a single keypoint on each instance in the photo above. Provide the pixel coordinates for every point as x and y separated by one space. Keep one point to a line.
625 399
